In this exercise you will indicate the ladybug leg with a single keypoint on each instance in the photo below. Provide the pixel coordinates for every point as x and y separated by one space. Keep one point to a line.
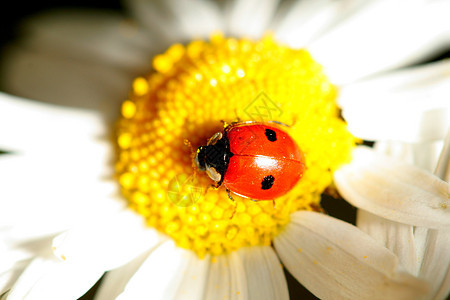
229 196
274 204
225 123
215 185
232 201
205 191
211 186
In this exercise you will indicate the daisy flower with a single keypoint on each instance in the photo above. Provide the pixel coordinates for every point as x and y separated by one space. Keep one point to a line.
107 185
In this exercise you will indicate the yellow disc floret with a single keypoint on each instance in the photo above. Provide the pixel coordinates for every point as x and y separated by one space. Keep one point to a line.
192 90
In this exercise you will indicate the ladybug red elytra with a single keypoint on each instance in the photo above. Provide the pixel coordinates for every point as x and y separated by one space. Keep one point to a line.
254 160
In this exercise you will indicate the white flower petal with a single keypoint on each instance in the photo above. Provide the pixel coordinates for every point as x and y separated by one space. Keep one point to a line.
218 282
436 263
100 37
49 78
423 155
51 279
226 278
37 126
394 190
334 259
424 253
409 105
193 283
420 241
443 166
428 75
87 161
63 200
265 277
177 21
115 281
300 22
10 275
160 275
381 36
109 241
239 286
249 18
397 237
17 249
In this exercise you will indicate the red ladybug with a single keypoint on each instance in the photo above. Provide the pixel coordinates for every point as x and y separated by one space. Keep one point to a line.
254 160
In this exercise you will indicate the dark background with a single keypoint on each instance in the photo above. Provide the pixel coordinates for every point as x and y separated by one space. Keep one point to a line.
11 15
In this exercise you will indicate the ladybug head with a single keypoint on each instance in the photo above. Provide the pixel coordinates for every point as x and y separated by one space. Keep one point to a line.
214 157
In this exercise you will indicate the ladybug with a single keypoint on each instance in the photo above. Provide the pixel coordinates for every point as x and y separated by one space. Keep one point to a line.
254 160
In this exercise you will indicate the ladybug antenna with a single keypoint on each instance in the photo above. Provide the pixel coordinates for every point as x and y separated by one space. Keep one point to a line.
193 156
238 120
225 123
294 121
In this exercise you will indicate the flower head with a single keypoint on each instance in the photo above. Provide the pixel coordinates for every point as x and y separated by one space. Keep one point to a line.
81 227
194 88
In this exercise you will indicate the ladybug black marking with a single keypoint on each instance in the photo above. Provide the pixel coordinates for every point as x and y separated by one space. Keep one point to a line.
271 135
267 182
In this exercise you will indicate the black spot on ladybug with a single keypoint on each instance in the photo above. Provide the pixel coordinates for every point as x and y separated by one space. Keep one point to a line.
267 182
271 135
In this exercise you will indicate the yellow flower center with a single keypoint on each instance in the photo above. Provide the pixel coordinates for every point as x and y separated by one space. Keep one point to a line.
192 90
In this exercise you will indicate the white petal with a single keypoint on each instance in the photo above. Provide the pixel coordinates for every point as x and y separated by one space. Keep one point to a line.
29 125
177 21
115 281
436 263
443 166
423 155
239 286
218 282
88 161
430 259
109 241
64 197
409 105
394 190
46 77
50 279
420 242
381 36
226 278
160 275
193 283
98 37
249 18
397 237
300 22
265 277
335 260
9 276
16 250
